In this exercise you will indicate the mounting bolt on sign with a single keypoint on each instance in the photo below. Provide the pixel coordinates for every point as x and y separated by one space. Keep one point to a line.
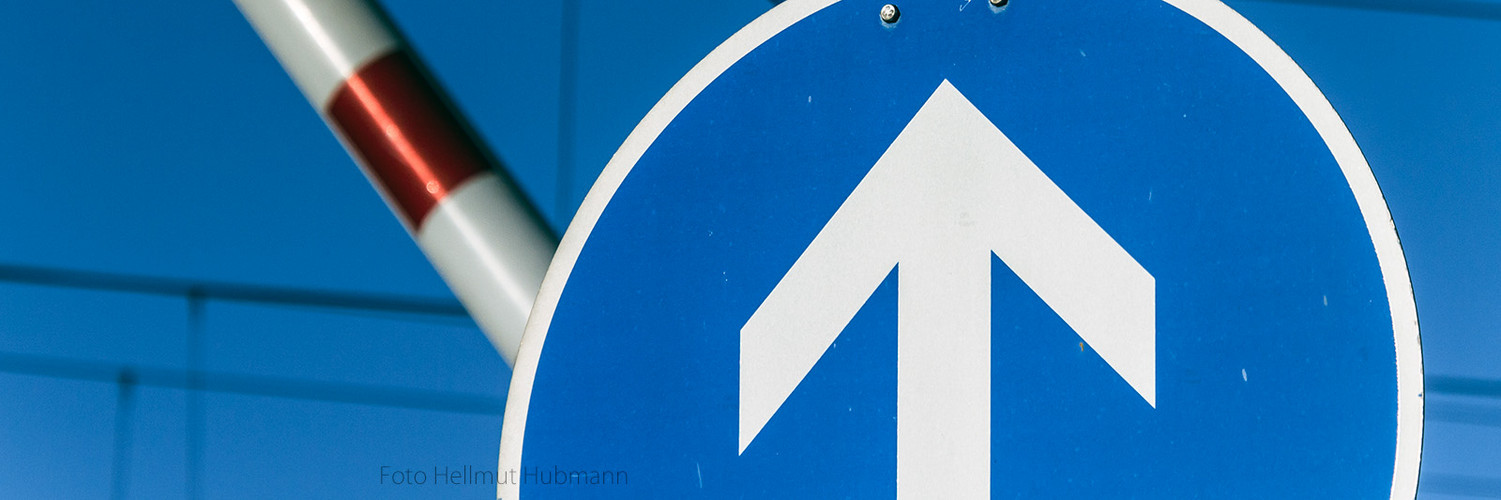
805 275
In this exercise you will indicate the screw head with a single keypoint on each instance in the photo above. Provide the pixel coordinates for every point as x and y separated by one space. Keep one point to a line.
889 13
998 3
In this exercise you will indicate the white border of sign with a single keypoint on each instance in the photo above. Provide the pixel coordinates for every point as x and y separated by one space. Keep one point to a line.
1210 12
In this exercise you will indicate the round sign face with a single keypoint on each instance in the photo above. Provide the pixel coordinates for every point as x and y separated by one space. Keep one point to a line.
1056 248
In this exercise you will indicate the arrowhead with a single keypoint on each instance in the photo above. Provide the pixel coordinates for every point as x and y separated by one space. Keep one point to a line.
990 190
950 185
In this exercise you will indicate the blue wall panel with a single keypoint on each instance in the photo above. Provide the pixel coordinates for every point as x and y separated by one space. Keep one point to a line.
413 352
158 435
55 437
45 324
629 55
265 447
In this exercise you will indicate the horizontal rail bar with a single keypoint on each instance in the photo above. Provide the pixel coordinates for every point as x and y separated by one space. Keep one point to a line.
1463 386
92 280
253 385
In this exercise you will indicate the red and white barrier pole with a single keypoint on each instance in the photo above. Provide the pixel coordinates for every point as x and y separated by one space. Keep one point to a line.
469 218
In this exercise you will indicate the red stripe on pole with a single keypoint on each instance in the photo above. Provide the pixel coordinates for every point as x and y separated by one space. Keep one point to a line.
406 134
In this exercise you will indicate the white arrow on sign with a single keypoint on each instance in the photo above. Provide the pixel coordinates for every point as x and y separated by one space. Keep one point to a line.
950 190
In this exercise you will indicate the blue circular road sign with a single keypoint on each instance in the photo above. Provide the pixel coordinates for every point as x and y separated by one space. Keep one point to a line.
1057 248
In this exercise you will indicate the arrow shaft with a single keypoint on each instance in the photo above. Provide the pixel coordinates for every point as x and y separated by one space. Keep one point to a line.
943 375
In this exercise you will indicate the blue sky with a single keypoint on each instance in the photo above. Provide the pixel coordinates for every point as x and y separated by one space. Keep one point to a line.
164 141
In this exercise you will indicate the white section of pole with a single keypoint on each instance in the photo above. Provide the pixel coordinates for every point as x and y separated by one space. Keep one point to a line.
478 230
492 256
320 42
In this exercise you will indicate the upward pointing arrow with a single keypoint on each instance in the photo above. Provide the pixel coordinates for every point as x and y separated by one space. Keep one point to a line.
951 189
